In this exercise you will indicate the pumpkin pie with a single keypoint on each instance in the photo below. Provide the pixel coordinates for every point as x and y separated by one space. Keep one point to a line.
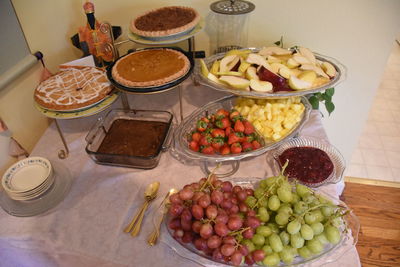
150 67
165 21
72 88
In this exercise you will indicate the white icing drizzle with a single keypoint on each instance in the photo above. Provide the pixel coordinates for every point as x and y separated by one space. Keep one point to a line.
61 89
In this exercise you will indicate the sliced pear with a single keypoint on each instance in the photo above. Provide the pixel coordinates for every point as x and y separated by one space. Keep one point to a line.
213 78
272 59
320 72
215 67
291 63
285 72
297 84
305 52
236 82
296 72
243 65
258 60
274 50
228 62
260 86
308 76
329 69
301 59
251 73
283 57
230 73
204 69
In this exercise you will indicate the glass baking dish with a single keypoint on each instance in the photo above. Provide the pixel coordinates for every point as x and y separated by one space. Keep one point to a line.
102 127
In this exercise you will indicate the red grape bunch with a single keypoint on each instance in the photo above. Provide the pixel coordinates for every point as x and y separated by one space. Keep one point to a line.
212 214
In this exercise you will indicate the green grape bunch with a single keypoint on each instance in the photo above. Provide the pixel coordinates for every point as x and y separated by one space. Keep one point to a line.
295 221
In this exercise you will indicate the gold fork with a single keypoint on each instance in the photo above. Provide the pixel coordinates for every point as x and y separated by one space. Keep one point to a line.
152 240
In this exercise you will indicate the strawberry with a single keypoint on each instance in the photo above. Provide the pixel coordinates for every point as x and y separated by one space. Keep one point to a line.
223 123
236 148
239 127
225 150
233 138
222 112
196 136
255 144
201 125
246 146
193 145
249 138
205 140
248 127
234 115
228 131
207 150
205 119
217 143
218 133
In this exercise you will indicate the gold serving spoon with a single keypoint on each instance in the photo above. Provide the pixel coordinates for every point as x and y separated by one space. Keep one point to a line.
149 194
152 240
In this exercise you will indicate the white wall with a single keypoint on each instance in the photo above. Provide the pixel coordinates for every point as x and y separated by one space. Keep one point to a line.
359 33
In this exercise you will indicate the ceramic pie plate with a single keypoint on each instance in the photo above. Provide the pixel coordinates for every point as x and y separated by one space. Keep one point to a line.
43 203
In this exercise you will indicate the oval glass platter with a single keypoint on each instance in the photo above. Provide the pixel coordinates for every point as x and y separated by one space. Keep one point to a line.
171 39
180 148
84 112
152 89
349 229
339 77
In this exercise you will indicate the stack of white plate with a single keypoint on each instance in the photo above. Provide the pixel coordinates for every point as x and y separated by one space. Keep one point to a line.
28 179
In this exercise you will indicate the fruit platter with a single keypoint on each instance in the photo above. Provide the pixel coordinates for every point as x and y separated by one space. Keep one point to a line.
256 221
233 128
270 72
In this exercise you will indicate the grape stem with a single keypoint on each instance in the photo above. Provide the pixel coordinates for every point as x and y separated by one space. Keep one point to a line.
208 183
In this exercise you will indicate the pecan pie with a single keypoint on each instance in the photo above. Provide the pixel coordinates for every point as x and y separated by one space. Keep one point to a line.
150 67
165 21
73 88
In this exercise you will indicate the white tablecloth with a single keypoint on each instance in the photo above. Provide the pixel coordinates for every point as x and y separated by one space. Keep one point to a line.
86 229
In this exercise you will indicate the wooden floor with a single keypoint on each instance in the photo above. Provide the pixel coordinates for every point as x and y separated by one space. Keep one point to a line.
378 209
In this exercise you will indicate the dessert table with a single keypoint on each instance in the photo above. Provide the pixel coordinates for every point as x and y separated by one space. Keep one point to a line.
86 228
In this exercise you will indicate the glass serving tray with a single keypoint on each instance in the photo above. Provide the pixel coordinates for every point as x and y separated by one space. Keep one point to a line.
340 77
180 149
331 253
339 164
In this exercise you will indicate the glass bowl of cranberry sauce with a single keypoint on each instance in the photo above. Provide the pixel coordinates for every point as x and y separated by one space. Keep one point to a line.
311 162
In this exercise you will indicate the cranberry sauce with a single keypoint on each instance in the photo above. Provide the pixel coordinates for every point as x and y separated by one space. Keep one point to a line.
307 164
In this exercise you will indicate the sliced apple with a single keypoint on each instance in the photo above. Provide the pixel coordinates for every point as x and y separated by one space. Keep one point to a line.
215 67
274 50
260 86
243 65
241 53
204 69
285 72
228 62
291 63
276 66
297 84
305 52
301 59
251 73
272 59
230 73
258 60
329 69
236 82
308 76
320 81
213 78
317 69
